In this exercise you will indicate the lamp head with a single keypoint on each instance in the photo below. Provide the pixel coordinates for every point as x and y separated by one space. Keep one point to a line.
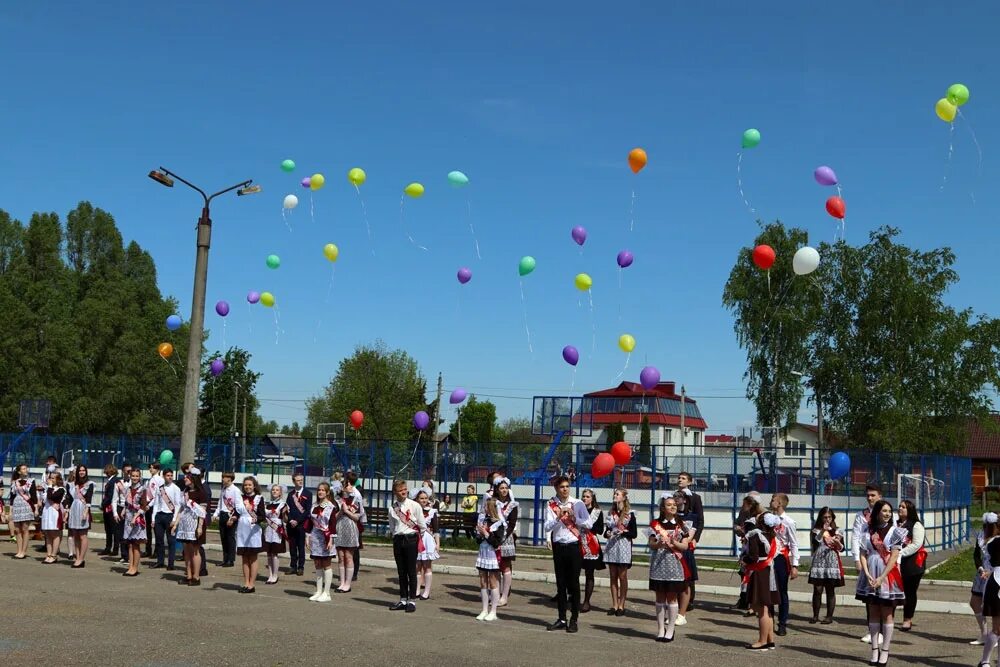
161 178
248 190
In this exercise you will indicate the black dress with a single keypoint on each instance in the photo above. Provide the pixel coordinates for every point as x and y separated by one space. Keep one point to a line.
991 595
591 564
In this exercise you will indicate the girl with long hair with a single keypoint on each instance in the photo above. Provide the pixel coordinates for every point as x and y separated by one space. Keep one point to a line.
134 521
668 571
489 533
882 584
248 531
430 545
984 570
188 525
23 506
78 498
619 531
912 559
322 526
509 512
52 518
275 511
592 561
348 537
762 585
826 572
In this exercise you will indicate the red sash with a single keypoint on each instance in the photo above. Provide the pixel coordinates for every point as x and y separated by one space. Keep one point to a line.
662 532
295 499
25 496
272 512
140 517
588 543
893 576
228 501
749 568
250 506
319 510
405 519
81 496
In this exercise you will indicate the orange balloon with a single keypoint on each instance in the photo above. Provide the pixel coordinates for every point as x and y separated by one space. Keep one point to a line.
636 159
165 350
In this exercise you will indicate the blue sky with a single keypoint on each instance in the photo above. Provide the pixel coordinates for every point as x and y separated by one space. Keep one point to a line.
539 104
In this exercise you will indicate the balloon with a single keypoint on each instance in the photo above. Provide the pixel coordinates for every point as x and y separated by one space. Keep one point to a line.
621 452
602 466
625 259
166 457
840 465
825 176
216 367
583 282
626 342
526 265
464 275
253 297
571 355
649 377
636 160
421 420
357 419
306 182
579 234
414 190
805 261
273 261
288 166
316 181
957 94
222 308
836 207
165 350
174 322
458 179
291 201
751 138
331 252
357 176
457 396
763 257
945 110
267 299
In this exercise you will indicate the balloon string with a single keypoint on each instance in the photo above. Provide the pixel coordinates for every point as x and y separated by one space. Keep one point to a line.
284 216
249 319
364 214
631 213
842 223
628 356
223 333
277 327
524 309
468 204
951 149
979 151
619 294
170 366
402 223
572 383
593 325
312 208
739 183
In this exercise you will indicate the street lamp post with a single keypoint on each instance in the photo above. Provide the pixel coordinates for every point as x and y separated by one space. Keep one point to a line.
192 380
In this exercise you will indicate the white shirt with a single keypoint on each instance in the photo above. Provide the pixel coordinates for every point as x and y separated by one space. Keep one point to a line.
560 533
398 510
860 528
785 534
173 493
234 496
153 488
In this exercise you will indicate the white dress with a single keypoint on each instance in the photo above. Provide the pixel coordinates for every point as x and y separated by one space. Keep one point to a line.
134 518
430 550
488 546
52 518
319 537
187 515
248 532
21 509
877 552
79 511
273 529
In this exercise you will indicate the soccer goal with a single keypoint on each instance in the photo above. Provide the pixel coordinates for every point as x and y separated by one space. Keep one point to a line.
924 492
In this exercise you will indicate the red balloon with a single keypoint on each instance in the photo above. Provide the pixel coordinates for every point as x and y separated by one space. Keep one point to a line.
602 466
763 257
357 418
621 452
836 207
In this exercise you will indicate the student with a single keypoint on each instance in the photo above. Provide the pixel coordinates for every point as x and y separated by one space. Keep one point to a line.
882 585
593 560
165 501
873 494
984 570
152 492
79 497
567 519
406 524
826 573
668 569
275 510
359 501
206 502
70 475
225 513
299 507
692 511
111 478
762 586
470 505
489 533
991 598
429 547
134 521
786 563
250 510
348 531
118 501
23 506
749 510
188 525
619 532
509 512
912 559
321 524
52 517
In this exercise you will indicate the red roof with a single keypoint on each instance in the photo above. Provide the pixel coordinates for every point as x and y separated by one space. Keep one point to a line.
602 418
634 389
984 444
719 439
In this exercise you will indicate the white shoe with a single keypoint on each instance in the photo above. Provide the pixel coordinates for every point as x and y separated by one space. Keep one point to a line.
681 620
867 638
977 642
482 616
492 616
324 597
315 596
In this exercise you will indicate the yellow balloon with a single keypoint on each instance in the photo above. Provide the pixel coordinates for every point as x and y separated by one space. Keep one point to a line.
357 176
414 190
583 282
267 299
945 110
331 251
316 181
626 342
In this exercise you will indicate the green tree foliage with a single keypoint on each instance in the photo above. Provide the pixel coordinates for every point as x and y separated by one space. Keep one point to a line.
224 398
614 433
896 367
386 385
643 452
478 419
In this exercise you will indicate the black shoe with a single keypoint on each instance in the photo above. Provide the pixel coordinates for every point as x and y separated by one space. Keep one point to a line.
781 631
291 571
558 625
250 590
156 566
771 646
243 589
669 639
826 621
814 620
298 572
751 647
572 626
184 582
554 598
171 568
399 606
195 582
410 607
203 573
611 612
661 640
620 612
77 566
103 552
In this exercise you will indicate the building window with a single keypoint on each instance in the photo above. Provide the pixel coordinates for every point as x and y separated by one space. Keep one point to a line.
795 448
993 476
668 438
697 438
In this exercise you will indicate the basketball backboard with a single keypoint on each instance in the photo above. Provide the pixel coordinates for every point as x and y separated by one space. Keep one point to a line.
34 412
571 414
332 433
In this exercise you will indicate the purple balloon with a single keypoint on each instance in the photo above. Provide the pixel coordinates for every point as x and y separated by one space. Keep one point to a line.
306 183
649 377
825 176
217 367
571 355
579 235
253 297
464 275
222 308
457 396
625 259
421 420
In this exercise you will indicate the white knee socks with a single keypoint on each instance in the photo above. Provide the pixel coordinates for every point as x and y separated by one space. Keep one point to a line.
661 613
341 569
672 613
505 585
873 628
327 580
319 586
484 593
989 642
982 626
428 577
494 600
886 640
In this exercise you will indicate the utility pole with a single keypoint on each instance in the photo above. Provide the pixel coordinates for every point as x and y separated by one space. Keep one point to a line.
236 405
244 421
683 394
819 420
437 418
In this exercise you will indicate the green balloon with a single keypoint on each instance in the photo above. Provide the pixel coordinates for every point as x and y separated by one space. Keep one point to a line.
166 457
526 265
751 138
273 261
288 166
957 94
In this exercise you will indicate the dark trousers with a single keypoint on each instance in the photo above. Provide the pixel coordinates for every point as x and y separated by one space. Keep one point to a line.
297 547
204 562
568 562
149 533
110 533
120 536
781 578
404 551
356 555
227 536
162 529
910 586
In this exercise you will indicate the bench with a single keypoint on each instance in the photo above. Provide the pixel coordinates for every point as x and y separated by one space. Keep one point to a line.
447 521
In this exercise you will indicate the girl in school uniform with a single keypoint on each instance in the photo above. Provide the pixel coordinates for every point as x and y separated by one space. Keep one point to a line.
881 587
991 599
984 570
79 496
489 533
762 585
668 572
508 509
275 512
52 519
620 531
429 548
322 527
23 505
348 532
826 572
250 510
592 561
134 521
188 525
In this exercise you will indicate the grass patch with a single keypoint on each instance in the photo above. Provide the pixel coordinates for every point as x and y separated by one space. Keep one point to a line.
959 567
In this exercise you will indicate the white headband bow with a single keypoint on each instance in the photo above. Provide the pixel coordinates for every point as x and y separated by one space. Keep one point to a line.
500 480
194 471
771 520
990 517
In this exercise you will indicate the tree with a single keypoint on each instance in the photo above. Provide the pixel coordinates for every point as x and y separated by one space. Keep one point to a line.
224 398
478 420
614 433
386 385
643 452
517 430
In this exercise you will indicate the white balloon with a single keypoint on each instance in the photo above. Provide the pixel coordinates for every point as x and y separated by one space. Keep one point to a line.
291 201
805 261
